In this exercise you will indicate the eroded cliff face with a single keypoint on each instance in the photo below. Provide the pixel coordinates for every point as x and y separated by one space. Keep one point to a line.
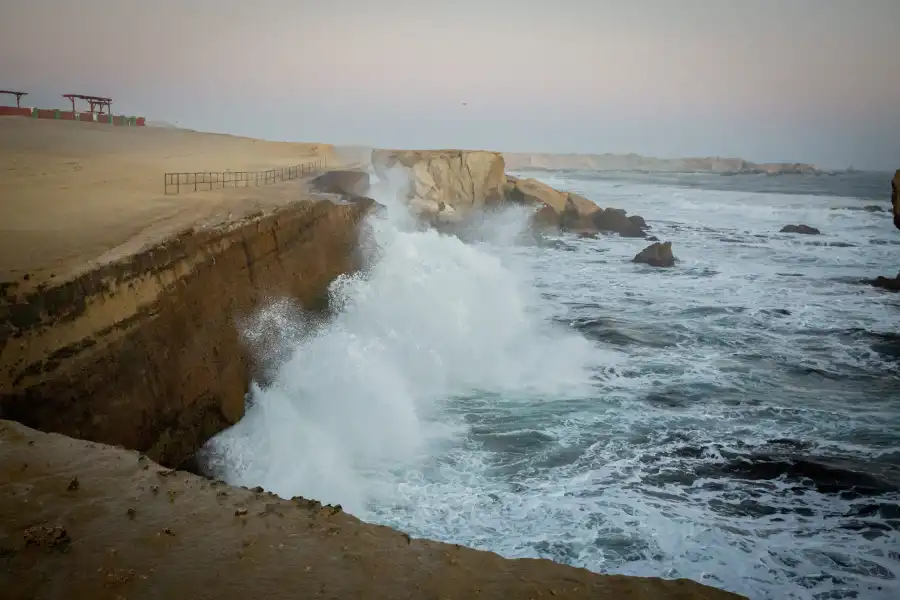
895 198
444 184
146 353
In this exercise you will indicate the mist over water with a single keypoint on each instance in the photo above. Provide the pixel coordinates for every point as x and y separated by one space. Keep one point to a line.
734 420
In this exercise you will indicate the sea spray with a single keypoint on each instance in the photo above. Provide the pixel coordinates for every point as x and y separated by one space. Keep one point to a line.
351 405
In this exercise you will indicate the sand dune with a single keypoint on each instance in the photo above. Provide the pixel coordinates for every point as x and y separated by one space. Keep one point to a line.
75 194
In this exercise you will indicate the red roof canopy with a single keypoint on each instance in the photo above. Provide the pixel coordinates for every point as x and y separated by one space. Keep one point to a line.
97 99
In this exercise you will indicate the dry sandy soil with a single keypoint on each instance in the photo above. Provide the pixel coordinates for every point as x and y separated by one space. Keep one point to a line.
78 194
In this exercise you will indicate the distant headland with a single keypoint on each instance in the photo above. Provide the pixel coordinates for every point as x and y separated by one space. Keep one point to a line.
636 162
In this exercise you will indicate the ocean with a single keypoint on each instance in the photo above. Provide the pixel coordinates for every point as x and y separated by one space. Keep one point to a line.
734 420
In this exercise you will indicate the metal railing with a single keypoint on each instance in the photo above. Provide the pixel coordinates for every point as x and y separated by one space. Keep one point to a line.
176 183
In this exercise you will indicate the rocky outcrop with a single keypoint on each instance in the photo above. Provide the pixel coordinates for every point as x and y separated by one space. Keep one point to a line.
569 211
146 352
657 254
128 528
895 198
636 162
351 183
802 229
532 192
447 185
891 284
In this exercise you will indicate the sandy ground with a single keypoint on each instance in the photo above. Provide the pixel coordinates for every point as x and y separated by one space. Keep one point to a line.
86 521
73 194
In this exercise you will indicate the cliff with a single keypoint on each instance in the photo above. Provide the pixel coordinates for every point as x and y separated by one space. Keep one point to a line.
635 162
92 522
895 198
448 184
145 352
448 188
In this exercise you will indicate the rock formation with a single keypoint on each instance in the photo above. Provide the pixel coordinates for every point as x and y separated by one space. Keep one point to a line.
657 254
443 185
569 211
892 284
146 352
803 229
635 162
895 198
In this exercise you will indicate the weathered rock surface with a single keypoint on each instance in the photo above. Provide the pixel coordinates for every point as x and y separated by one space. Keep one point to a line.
657 254
571 212
892 284
804 229
444 184
352 183
146 352
895 198
134 530
636 162
615 219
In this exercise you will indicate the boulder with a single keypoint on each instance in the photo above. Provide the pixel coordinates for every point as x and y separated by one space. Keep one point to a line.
345 183
657 254
454 182
545 219
895 198
804 229
639 222
891 284
616 220
578 215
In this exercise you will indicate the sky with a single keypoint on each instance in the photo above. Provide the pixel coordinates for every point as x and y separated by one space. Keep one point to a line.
766 80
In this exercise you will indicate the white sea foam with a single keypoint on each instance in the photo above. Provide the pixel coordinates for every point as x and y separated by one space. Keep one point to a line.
442 400
431 319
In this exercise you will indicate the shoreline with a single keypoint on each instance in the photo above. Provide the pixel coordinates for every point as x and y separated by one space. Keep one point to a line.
135 351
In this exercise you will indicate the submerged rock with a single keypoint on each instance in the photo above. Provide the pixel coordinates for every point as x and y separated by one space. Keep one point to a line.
804 229
657 254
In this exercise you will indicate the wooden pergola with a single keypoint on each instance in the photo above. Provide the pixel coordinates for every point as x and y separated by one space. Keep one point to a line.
18 96
97 102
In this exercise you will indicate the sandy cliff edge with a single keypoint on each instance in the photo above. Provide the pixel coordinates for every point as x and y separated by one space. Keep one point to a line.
135 530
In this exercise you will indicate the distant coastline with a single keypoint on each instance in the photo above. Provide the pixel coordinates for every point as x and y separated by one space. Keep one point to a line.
649 164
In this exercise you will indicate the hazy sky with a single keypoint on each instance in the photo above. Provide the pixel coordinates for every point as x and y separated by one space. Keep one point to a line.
795 80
